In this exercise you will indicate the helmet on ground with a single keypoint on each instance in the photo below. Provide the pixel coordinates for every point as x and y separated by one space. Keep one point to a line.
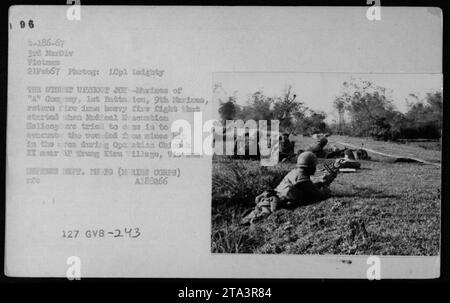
307 159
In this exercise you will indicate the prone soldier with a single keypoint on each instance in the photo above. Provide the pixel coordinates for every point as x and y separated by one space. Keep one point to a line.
295 189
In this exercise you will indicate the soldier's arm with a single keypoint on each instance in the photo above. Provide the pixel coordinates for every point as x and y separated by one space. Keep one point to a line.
328 178
325 180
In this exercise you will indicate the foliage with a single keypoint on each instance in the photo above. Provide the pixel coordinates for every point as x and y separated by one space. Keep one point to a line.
424 117
368 107
292 114
383 209
289 111
314 123
372 113
239 182
258 108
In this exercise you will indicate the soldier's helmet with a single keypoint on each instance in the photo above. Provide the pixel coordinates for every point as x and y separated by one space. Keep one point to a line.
307 160
322 141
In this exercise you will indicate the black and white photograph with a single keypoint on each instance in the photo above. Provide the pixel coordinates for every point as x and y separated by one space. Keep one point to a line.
224 143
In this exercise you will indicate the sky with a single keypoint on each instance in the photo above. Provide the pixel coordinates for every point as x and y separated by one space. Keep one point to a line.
318 90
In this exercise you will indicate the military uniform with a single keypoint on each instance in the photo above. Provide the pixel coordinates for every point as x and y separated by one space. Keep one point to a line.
297 187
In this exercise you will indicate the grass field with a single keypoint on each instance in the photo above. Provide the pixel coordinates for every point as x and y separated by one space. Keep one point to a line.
383 209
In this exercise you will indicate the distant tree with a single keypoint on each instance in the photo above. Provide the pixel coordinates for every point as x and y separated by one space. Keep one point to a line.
314 122
397 123
261 106
372 113
369 107
339 105
292 114
424 117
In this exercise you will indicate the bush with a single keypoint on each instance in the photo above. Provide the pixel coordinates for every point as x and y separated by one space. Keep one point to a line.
427 130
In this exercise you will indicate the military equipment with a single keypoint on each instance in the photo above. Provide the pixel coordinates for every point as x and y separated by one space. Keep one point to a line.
332 166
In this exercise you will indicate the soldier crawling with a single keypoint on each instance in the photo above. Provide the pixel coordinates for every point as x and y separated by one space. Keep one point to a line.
295 189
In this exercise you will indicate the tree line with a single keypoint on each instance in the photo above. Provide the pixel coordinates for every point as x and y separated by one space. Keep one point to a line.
363 108
292 113
366 109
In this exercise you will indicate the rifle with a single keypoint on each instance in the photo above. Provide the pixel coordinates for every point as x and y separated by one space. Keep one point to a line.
332 168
